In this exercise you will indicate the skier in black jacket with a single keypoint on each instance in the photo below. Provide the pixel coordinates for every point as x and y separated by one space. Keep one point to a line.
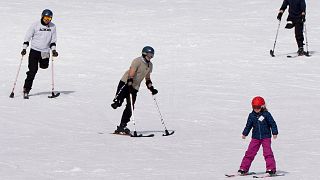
296 18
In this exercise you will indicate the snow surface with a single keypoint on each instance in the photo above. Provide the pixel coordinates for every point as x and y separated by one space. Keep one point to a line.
212 57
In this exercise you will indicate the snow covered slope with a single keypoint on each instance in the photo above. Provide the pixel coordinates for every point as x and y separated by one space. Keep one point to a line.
212 57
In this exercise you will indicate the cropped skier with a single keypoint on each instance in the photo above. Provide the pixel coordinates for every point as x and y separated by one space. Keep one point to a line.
141 68
43 37
296 19
262 124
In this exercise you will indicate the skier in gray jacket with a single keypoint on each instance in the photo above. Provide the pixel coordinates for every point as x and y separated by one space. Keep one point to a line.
43 37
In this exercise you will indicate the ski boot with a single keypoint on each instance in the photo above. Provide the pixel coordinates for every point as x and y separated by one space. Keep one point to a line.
122 130
300 51
25 94
242 172
271 172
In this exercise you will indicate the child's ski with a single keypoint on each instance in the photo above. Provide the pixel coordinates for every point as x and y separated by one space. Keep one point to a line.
238 174
267 175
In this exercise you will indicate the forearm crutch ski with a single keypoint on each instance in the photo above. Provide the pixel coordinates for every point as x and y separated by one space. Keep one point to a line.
53 95
167 133
135 134
307 44
275 41
15 81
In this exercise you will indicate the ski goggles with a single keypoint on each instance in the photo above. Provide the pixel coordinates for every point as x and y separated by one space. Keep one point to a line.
47 18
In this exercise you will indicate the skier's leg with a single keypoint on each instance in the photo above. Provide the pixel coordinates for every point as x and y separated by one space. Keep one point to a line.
34 57
299 34
268 155
250 154
122 91
127 111
44 63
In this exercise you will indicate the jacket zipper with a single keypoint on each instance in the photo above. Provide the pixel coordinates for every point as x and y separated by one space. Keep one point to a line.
259 129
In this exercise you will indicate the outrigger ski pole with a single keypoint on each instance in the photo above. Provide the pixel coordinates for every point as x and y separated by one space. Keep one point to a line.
15 82
53 95
275 41
166 132
135 134
307 44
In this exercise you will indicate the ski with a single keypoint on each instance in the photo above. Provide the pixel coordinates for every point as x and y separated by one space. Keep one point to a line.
292 56
53 95
142 135
296 55
238 174
120 134
267 175
137 135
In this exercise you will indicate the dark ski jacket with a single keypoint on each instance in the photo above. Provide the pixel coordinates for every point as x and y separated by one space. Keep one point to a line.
296 7
262 124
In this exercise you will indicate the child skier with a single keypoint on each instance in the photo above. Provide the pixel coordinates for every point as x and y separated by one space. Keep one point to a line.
263 125
141 68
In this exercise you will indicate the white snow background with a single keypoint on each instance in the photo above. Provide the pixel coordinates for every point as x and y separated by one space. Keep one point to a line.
212 57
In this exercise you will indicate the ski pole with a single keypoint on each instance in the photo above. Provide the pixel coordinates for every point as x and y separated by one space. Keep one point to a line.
135 134
161 118
275 41
15 82
307 44
53 95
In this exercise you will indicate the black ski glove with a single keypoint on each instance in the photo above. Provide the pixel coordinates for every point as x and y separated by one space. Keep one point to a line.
23 52
151 88
303 18
279 16
54 53
129 84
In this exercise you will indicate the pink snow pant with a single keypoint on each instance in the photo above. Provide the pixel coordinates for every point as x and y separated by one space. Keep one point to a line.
252 152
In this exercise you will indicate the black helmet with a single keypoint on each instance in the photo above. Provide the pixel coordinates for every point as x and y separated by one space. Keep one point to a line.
47 12
147 49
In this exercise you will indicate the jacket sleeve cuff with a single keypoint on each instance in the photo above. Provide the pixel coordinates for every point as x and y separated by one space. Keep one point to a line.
245 133
53 46
25 45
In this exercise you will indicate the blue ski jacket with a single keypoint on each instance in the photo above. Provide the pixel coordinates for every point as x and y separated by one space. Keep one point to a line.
262 124
296 7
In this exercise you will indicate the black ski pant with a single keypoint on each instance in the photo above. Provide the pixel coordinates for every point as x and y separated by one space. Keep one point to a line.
298 30
123 93
35 60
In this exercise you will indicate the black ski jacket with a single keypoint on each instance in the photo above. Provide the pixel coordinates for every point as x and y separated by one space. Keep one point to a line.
262 125
296 7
